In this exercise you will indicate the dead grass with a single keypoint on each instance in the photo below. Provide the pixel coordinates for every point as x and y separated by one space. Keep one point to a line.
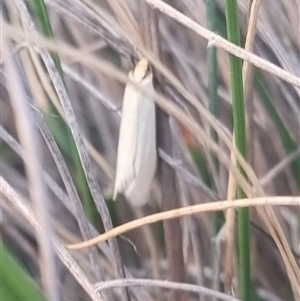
43 190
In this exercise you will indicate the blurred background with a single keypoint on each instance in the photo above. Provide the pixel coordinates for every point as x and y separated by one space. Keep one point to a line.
61 106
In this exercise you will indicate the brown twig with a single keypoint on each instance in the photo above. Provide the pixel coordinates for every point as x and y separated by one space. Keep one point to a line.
167 175
189 210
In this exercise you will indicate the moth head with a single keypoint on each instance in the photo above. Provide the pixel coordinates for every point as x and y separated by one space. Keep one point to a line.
141 70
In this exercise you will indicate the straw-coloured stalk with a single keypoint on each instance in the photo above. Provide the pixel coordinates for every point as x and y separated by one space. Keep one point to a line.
136 160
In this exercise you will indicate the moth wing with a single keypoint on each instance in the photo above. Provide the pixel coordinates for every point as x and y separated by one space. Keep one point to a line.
125 170
145 156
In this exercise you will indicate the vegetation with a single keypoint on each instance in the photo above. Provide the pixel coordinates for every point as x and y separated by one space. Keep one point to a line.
228 134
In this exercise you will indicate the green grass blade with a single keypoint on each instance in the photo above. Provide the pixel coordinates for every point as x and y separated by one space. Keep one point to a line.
214 103
16 284
59 129
43 17
287 141
239 121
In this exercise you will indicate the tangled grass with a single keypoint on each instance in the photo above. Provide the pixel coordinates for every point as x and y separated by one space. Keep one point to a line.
228 112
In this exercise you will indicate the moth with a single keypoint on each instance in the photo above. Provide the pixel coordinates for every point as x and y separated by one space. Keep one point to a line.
137 156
